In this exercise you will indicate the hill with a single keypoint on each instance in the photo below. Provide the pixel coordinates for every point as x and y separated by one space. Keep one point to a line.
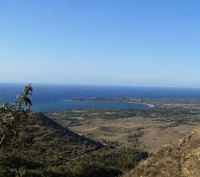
58 152
179 159
53 144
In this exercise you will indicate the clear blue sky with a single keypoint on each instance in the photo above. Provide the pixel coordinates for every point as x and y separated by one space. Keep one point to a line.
101 42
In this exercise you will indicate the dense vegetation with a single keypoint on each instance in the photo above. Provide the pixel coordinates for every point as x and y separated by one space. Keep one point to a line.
12 118
105 162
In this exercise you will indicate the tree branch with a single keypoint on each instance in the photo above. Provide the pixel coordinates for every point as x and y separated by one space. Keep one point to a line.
2 139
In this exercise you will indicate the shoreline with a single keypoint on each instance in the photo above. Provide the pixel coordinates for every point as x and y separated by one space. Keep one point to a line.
73 105
150 105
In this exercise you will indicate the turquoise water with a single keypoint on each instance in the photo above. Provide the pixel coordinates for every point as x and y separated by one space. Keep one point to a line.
60 105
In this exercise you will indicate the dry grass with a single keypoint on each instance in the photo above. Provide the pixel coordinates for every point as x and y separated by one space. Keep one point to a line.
178 159
156 131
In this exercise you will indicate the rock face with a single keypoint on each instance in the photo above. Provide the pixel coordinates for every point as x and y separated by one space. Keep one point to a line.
179 159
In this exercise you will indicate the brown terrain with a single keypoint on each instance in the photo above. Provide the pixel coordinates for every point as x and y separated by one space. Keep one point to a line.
174 146
155 132
178 159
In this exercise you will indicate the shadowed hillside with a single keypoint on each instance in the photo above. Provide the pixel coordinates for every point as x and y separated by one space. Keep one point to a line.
52 143
55 142
58 152
179 159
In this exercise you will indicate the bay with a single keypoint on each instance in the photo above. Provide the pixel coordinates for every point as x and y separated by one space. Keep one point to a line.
49 97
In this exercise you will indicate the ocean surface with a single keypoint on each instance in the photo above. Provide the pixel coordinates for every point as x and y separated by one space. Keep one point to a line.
51 97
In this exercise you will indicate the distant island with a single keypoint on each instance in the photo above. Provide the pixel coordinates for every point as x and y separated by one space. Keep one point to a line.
124 99
99 98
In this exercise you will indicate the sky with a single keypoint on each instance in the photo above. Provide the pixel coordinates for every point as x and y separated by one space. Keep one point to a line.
101 42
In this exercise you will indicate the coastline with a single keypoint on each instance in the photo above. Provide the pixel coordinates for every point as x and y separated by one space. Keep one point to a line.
72 105
111 100
150 105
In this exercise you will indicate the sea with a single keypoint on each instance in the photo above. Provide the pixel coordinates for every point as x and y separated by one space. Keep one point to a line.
52 97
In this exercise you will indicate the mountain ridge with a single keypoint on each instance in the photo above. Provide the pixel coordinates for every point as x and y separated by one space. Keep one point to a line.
178 159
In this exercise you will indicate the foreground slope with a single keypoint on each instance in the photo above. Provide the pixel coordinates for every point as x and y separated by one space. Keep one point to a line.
53 144
179 159
59 152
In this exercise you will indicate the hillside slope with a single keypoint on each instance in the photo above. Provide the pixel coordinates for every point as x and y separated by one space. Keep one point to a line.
58 152
179 159
52 143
